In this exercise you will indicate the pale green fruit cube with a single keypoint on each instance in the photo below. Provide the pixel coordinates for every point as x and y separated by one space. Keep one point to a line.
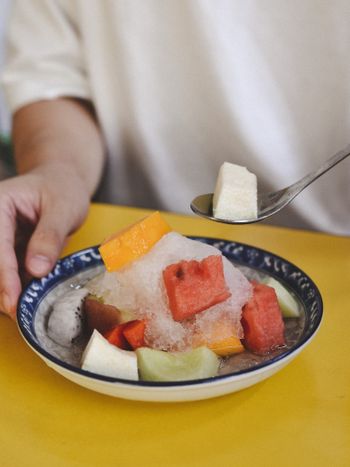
289 306
157 365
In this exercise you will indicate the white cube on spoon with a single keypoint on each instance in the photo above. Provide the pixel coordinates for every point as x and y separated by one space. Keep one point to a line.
236 194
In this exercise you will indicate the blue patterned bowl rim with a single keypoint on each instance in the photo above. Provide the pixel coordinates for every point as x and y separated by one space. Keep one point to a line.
242 254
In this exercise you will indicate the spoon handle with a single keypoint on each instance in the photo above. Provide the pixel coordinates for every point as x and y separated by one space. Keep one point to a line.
331 162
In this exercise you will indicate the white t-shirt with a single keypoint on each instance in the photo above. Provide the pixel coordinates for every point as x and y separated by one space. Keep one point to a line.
180 86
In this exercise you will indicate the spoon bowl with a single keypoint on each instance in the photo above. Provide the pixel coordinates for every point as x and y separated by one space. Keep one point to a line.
272 202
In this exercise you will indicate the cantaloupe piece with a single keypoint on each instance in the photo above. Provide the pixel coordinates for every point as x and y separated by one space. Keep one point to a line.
133 242
222 346
228 346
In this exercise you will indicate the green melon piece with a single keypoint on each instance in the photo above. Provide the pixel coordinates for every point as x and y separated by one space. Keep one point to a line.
289 306
156 365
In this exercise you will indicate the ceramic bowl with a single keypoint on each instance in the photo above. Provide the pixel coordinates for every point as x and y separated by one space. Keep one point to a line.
37 298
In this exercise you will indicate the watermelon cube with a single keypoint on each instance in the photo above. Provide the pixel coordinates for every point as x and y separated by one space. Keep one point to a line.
193 286
116 337
127 336
262 321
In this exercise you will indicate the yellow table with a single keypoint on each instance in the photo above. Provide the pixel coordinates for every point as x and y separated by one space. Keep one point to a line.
299 417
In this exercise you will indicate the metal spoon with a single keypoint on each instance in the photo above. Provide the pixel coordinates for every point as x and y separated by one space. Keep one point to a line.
269 203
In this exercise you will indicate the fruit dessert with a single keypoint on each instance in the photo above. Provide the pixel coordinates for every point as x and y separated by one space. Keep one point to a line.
167 308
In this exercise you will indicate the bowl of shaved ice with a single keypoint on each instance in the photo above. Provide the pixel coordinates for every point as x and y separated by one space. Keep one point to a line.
153 315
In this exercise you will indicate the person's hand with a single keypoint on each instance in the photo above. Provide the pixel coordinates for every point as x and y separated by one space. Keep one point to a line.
59 152
38 211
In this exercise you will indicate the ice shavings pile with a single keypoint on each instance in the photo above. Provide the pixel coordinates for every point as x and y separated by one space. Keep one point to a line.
138 288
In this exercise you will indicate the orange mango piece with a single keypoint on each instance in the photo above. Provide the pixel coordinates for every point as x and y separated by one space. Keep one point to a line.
228 346
133 242
222 346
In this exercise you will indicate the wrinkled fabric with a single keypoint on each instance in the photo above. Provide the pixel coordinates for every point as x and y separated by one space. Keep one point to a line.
182 86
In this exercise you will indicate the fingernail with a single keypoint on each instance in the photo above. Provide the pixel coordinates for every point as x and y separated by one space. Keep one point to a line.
7 303
39 265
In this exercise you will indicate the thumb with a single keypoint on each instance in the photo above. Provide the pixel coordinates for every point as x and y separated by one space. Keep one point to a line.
46 244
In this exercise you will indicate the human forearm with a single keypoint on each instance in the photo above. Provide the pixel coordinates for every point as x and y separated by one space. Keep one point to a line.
61 133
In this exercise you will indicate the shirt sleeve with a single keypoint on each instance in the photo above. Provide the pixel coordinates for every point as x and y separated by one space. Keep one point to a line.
44 54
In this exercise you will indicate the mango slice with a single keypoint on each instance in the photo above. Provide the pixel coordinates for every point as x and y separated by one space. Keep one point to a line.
133 242
222 339
227 346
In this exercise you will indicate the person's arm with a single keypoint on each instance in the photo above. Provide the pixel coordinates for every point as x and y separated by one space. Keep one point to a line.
59 155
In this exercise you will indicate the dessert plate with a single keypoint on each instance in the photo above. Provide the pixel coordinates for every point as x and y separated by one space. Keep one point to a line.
238 372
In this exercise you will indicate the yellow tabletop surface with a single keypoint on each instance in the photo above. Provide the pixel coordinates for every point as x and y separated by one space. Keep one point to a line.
298 417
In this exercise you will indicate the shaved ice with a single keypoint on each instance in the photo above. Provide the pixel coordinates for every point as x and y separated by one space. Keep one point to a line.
138 288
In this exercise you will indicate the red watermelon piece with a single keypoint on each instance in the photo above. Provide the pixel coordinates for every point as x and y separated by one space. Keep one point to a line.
116 336
127 336
193 286
262 321
134 333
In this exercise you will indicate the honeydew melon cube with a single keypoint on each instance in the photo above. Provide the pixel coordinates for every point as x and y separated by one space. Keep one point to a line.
157 365
289 306
106 359
235 196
